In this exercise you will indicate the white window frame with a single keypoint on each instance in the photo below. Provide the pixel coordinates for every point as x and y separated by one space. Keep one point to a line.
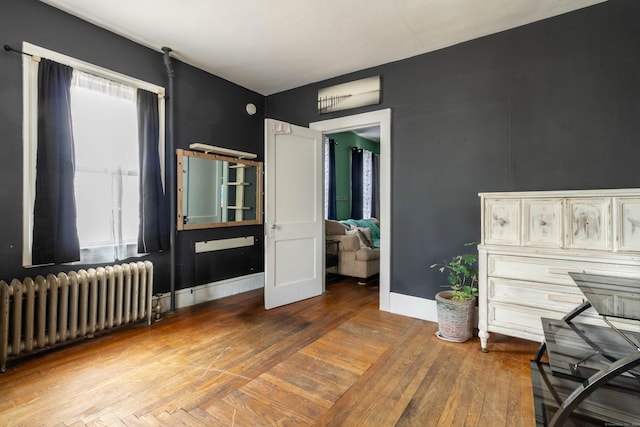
30 124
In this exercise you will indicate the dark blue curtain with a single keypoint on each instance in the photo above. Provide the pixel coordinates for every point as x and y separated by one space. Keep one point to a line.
333 208
375 190
153 232
55 234
356 183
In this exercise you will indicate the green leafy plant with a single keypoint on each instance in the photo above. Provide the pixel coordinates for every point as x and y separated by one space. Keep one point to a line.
462 275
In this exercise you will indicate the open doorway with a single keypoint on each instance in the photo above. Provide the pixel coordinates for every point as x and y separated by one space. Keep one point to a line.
351 201
381 120
351 174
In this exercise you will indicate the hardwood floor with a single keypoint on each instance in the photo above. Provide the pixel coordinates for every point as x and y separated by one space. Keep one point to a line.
332 360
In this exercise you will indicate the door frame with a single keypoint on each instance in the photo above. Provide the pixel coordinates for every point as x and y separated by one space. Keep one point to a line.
380 118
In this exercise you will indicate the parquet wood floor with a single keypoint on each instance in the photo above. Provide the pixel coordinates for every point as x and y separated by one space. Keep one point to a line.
332 360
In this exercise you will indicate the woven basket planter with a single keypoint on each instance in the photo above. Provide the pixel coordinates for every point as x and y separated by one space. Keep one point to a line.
455 318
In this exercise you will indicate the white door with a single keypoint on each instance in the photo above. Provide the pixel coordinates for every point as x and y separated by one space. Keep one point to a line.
294 246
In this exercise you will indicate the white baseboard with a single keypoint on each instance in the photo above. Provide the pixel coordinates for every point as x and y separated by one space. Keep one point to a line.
214 290
420 308
405 305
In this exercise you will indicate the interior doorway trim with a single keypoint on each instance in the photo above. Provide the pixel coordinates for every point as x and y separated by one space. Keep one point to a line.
380 118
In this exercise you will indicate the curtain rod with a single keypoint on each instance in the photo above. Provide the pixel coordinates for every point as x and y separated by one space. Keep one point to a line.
10 49
355 147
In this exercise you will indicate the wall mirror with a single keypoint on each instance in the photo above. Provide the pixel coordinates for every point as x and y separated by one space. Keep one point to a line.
217 191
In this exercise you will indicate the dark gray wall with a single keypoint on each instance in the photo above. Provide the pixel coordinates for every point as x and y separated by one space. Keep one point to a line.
552 105
208 109
549 106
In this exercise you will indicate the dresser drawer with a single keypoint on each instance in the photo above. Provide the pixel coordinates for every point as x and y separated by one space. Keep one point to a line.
552 270
526 321
562 298
519 321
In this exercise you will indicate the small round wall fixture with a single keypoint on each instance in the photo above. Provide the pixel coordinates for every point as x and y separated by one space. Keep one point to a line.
251 109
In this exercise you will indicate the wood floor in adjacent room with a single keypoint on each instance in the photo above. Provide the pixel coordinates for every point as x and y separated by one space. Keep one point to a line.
331 360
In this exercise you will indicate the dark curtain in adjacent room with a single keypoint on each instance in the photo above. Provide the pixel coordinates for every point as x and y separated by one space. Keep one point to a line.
375 183
55 234
333 208
153 232
356 183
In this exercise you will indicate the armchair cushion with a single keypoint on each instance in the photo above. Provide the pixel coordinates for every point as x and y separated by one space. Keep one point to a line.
364 236
349 243
332 228
371 224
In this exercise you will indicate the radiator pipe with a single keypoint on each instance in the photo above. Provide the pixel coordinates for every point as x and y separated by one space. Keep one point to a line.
171 184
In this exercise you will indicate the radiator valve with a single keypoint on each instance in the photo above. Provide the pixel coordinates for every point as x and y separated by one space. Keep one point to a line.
157 308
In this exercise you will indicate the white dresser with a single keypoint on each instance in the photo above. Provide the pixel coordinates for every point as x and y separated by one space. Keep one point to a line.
530 242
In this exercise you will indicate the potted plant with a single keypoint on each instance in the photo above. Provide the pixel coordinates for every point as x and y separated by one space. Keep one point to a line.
456 307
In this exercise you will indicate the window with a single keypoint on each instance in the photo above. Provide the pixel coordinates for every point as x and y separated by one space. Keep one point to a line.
105 132
367 184
364 187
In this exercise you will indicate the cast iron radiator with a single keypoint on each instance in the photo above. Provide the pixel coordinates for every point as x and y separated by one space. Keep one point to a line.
42 313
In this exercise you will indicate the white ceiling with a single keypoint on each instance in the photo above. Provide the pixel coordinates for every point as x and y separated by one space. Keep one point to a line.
274 45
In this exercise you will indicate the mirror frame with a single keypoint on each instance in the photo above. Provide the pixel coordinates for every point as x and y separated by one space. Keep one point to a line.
180 153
